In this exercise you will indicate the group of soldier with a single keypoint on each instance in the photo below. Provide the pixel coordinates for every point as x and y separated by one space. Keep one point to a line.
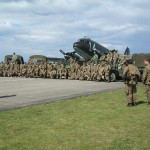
94 70
97 69
75 71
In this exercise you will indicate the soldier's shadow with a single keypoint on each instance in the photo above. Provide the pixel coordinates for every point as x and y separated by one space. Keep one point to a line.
140 102
7 96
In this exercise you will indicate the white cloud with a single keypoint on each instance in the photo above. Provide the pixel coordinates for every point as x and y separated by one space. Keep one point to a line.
44 26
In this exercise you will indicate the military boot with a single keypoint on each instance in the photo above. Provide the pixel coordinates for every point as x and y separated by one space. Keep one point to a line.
134 104
129 105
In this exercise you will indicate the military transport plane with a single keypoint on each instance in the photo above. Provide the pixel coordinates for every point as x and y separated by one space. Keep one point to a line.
84 49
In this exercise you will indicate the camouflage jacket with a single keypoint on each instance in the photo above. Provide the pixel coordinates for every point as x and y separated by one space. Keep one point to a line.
131 74
146 75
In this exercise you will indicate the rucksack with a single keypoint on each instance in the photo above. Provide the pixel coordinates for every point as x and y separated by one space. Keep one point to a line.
133 72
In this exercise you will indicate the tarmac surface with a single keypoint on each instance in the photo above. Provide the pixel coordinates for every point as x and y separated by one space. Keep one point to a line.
20 92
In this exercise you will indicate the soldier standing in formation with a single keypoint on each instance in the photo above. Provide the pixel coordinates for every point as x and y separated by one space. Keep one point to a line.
146 78
109 57
115 58
14 58
1 69
95 57
130 75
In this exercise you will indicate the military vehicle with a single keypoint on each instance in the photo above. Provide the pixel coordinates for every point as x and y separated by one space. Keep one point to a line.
8 59
41 58
56 60
139 60
37 59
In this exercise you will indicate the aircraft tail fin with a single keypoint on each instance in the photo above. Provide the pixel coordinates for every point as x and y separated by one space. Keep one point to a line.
127 51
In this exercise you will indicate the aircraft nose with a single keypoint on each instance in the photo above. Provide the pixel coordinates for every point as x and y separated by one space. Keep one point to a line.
75 44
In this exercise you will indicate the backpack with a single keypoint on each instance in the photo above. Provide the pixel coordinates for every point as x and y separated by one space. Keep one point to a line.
133 72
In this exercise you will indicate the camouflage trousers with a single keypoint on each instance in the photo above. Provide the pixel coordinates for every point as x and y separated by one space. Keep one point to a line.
1 73
131 90
147 87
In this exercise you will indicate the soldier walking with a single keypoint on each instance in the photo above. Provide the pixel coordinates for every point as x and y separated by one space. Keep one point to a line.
146 78
130 75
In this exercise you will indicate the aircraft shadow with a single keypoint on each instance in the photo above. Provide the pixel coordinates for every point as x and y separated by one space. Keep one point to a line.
7 96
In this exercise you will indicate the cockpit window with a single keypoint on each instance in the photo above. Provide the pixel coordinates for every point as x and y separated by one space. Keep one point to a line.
83 41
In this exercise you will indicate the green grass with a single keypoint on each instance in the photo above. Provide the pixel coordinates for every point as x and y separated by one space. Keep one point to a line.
97 122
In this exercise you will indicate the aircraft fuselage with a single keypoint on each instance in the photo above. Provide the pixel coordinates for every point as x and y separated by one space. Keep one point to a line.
85 47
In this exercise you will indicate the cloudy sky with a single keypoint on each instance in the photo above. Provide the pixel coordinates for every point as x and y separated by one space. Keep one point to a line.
30 27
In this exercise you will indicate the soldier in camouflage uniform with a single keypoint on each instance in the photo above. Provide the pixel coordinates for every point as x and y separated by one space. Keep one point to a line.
52 71
24 70
100 72
130 76
109 57
88 71
43 69
102 58
115 59
49 70
72 74
30 70
122 62
11 70
1 69
146 78
16 70
58 71
21 67
106 71
63 72
14 58
82 70
36 70
78 71
94 72
104 68
6 70
94 59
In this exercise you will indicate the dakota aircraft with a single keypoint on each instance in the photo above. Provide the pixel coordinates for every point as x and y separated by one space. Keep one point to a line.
84 48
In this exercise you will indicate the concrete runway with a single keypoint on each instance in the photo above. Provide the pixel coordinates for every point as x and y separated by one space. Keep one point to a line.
21 92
